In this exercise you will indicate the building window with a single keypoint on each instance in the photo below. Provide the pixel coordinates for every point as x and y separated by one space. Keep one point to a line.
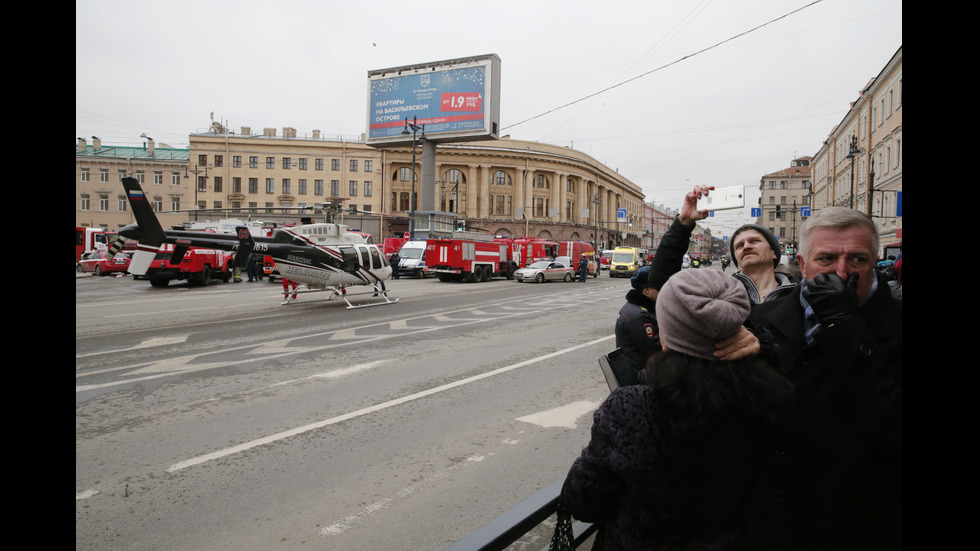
270 185
253 161
317 187
367 188
368 166
236 184
334 164
121 173
501 178
353 165
158 178
236 161
302 163
270 162
318 164
202 183
352 188
174 204
286 186
218 184
84 175
202 160
302 186
253 185
103 175
287 163
219 160
334 188
85 203
175 178
104 203
405 174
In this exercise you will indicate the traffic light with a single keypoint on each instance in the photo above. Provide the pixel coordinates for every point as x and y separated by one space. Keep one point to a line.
779 213
461 225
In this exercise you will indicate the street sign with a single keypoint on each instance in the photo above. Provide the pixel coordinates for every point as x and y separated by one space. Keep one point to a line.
804 211
620 215
756 212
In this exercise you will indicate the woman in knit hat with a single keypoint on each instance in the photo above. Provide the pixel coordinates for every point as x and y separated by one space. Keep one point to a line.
671 462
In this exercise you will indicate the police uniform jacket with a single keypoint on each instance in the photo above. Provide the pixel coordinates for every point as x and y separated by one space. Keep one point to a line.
636 328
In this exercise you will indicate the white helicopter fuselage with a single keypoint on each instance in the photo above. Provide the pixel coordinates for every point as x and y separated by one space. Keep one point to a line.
324 256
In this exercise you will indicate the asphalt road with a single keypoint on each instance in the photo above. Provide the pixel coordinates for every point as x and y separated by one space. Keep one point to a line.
215 418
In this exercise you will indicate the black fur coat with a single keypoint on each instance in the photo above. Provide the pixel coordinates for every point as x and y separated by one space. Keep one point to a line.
651 491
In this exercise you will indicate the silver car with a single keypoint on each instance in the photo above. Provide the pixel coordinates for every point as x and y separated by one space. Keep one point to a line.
545 270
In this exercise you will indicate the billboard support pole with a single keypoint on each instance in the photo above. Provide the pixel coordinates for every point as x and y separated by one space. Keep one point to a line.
415 129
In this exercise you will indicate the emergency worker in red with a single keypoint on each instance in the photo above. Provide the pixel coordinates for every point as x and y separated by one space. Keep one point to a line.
636 326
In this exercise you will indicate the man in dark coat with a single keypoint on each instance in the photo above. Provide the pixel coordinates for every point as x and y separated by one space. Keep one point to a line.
583 268
836 481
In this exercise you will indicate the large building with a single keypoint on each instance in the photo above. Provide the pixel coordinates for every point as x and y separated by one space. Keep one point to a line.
860 163
503 186
100 201
785 195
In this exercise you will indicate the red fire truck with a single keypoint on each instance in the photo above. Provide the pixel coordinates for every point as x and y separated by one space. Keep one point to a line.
457 259
198 266
525 250
576 250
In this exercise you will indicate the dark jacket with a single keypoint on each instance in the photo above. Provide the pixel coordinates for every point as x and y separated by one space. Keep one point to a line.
636 328
652 492
836 482
670 253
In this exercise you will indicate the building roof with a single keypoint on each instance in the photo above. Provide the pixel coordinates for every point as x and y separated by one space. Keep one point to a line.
141 152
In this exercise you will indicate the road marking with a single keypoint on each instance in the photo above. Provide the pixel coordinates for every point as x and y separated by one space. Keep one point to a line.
372 409
564 416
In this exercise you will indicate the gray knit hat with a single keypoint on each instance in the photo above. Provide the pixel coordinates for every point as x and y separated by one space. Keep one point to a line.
768 235
696 308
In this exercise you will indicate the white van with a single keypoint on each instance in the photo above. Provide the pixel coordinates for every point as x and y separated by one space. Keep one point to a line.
412 259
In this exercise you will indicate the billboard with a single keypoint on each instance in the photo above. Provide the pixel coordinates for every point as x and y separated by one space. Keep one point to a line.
455 100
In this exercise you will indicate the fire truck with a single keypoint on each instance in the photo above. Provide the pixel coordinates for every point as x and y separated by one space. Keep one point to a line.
575 250
478 258
90 239
198 266
526 250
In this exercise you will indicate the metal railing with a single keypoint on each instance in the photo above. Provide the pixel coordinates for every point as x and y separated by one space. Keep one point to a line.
527 515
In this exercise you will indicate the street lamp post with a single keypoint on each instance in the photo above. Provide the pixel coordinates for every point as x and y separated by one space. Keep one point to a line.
871 184
595 201
197 183
415 129
852 155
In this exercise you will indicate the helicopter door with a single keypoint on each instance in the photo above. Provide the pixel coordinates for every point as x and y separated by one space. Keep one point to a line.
349 261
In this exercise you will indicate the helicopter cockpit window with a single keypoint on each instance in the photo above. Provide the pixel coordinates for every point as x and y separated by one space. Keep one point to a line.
376 262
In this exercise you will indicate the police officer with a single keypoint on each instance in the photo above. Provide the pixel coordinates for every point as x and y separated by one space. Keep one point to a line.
636 326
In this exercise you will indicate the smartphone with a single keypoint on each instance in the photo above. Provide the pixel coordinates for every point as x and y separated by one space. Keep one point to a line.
723 198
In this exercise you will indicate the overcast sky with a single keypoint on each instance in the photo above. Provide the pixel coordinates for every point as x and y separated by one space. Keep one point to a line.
670 93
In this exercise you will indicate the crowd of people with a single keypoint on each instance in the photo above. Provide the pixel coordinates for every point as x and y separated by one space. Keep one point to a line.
768 413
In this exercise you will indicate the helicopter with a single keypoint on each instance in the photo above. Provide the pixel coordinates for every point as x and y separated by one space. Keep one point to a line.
320 256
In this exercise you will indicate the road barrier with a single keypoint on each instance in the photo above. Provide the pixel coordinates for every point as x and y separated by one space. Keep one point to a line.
527 515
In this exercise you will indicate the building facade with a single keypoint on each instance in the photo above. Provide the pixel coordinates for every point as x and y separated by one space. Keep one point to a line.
498 187
785 195
100 200
860 163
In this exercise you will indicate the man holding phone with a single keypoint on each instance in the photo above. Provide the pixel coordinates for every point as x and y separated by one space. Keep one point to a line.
754 250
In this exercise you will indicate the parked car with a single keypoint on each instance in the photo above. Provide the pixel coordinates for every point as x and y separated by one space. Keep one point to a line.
97 263
545 270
